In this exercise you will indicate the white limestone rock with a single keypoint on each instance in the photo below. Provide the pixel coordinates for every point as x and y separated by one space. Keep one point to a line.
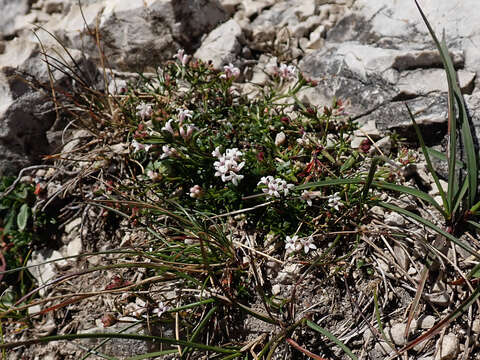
222 45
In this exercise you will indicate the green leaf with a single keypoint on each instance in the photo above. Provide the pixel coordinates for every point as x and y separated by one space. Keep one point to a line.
441 156
332 337
431 226
22 217
411 191
430 168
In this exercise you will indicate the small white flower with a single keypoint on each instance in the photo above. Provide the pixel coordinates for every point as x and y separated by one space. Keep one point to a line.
139 146
180 55
196 192
287 72
304 140
230 72
217 152
308 196
153 175
184 113
144 111
161 309
168 152
334 201
168 127
308 244
291 244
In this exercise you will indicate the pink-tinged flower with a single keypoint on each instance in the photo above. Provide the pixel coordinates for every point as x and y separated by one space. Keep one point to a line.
308 196
308 244
287 72
168 152
216 153
144 111
186 134
184 113
161 309
180 55
230 72
196 192
153 175
139 146
168 127
334 201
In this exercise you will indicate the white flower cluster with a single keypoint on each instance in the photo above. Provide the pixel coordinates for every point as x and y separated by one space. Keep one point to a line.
287 71
274 187
293 244
185 131
228 166
144 111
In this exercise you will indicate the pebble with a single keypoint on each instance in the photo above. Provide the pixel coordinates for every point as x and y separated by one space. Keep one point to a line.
276 289
426 322
476 326
378 211
398 334
383 348
394 219
448 348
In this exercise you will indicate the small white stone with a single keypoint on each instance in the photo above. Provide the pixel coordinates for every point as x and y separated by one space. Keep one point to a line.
276 289
398 334
476 326
357 141
435 190
74 247
280 138
394 219
383 348
448 348
72 225
426 322
34 309
378 211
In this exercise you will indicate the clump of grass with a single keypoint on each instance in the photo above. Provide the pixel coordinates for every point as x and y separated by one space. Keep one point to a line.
225 188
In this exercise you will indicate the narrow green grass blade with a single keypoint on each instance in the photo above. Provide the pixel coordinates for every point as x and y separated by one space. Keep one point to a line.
457 200
466 134
330 182
430 168
471 154
371 174
441 156
199 328
153 355
411 191
333 338
452 123
168 341
431 226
